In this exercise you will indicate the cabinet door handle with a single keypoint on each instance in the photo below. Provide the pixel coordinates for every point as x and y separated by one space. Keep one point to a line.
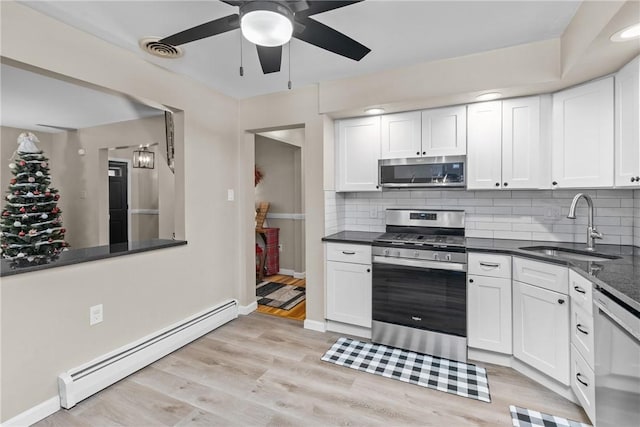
348 252
578 376
470 280
490 264
579 289
417 153
638 178
506 184
424 152
633 179
584 331
368 270
560 301
554 183
497 184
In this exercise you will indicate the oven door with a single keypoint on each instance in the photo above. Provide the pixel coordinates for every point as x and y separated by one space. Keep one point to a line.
420 294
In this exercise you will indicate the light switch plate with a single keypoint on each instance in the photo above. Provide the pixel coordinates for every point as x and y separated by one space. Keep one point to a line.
231 195
95 314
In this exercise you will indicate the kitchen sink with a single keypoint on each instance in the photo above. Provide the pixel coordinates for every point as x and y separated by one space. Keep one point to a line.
570 254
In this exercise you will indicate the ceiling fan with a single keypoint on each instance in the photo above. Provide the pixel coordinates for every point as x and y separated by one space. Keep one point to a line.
270 24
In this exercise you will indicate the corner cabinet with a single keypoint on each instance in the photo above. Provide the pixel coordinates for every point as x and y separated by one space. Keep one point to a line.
582 149
348 278
508 144
357 154
627 125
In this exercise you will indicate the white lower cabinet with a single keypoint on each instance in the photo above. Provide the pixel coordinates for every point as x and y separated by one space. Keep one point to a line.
582 383
489 313
541 330
349 293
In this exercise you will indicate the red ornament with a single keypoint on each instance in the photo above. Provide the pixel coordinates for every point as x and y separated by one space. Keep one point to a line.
37 192
63 230
21 234
47 193
22 210
56 197
13 181
55 210
5 213
34 208
22 163
50 240
16 192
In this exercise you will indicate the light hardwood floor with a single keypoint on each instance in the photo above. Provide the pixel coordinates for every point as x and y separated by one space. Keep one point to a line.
260 370
298 312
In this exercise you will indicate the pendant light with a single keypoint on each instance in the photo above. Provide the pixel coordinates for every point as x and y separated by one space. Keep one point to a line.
143 158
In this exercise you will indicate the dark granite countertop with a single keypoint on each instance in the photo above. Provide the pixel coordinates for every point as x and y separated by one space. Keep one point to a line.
77 256
621 277
358 237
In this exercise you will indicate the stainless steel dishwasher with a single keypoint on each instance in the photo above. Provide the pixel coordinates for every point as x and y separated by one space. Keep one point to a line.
617 361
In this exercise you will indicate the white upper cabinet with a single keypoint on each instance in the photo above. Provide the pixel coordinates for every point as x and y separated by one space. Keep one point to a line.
582 149
357 152
627 124
525 162
508 144
400 136
484 145
444 131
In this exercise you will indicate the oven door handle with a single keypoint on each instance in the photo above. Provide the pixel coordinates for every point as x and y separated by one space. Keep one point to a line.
420 263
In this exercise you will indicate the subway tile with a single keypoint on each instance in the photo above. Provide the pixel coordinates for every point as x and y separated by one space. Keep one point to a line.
614 212
494 226
514 235
616 194
533 227
485 234
553 237
495 210
512 218
512 202
475 202
492 194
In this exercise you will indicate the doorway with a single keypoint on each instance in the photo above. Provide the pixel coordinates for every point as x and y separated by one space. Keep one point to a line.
280 242
118 202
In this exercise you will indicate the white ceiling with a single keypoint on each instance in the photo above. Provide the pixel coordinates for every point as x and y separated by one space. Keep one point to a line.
29 99
399 33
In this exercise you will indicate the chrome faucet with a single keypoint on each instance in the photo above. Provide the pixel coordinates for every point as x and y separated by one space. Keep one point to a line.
592 233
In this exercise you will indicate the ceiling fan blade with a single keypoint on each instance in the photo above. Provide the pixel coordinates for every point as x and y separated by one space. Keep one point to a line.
208 29
329 39
270 58
232 2
319 6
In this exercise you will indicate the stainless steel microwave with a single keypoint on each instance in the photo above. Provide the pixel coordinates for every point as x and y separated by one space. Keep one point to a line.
422 172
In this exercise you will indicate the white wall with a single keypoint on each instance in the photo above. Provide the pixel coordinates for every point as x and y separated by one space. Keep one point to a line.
44 315
522 215
636 217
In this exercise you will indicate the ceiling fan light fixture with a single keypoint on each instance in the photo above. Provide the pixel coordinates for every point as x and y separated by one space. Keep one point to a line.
266 23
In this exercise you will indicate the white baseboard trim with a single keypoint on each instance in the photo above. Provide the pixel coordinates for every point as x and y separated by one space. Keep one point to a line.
344 328
297 275
286 272
35 414
486 356
314 325
247 309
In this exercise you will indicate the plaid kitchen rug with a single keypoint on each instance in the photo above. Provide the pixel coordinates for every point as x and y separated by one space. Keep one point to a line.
522 417
433 372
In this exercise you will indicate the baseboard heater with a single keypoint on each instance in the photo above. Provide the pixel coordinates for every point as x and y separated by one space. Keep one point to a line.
83 381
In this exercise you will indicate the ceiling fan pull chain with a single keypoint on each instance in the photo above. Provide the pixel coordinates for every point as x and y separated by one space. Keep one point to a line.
241 67
289 50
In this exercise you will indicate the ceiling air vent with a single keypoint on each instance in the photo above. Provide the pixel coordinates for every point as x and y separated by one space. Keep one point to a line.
163 50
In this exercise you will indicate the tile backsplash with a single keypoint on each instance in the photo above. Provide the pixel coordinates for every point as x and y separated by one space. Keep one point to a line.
524 215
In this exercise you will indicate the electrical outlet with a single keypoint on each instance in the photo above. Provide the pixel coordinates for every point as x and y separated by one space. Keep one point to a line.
553 212
231 195
280 247
95 314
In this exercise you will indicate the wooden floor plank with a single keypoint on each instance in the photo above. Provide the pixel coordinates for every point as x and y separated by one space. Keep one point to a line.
261 370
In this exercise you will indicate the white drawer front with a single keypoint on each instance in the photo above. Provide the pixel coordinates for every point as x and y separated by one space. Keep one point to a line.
542 274
348 252
581 291
582 383
482 264
582 333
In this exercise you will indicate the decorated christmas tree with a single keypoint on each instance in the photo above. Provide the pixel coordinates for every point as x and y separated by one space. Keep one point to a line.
31 223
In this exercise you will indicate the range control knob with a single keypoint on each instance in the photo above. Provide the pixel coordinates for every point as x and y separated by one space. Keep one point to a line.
436 256
397 254
447 257
416 254
385 252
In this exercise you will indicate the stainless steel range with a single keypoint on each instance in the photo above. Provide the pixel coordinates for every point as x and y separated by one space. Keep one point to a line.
419 283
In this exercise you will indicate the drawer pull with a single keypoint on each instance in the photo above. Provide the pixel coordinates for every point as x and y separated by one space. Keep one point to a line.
578 376
579 289
584 331
348 252
490 264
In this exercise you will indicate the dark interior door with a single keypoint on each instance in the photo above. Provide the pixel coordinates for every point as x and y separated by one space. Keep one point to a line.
118 207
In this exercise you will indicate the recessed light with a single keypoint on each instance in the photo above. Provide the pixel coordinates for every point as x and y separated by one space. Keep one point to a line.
632 32
374 110
489 96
